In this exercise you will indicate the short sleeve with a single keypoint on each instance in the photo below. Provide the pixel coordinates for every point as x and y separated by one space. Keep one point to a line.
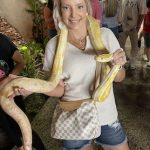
49 54
109 40
8 45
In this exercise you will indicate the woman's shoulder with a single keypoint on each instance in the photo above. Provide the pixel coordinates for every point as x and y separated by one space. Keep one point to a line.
106 31
109 39
52 41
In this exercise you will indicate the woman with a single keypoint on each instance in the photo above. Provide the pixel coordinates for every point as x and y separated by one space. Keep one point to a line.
79 73
78 53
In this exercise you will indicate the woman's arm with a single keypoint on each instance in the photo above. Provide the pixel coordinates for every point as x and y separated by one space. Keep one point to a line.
58 91
19 63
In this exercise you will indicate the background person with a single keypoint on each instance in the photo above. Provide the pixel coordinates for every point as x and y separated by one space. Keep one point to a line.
48 17
133 12
96 10
111 15
146 30
11 64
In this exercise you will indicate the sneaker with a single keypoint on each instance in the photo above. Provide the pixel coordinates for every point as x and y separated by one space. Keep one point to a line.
148 64
132 67
139 43
145 58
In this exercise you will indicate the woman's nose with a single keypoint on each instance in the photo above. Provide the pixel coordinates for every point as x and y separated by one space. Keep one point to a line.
73 12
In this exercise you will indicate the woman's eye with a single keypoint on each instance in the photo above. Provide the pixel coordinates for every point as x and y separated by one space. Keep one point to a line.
80 7
65 7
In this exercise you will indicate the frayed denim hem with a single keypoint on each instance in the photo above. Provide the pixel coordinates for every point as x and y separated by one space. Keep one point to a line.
112 146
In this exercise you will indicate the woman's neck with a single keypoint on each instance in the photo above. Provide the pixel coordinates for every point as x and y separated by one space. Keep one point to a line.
77 33
78 37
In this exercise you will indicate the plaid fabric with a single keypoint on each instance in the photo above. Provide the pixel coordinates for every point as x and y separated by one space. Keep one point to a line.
76 125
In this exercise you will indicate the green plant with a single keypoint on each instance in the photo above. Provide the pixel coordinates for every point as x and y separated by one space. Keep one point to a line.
36 9
33 56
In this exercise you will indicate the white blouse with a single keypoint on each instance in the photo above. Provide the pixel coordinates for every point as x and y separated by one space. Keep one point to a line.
79 73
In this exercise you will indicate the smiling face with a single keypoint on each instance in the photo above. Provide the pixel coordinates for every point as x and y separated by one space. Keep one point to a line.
73 13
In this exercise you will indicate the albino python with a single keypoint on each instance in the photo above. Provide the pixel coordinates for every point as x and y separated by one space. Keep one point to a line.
41 86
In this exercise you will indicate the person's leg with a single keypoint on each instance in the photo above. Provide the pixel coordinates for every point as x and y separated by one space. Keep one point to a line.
147 47
77 145
121 147
134 47
113 137
88 148
122 39
139 38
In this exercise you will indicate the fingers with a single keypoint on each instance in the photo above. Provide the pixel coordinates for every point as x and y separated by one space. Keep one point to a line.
19 91
119 57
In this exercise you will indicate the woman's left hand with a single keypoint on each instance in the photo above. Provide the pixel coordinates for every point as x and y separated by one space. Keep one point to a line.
119 57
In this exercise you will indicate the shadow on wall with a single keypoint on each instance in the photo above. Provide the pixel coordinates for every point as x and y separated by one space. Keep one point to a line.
14 11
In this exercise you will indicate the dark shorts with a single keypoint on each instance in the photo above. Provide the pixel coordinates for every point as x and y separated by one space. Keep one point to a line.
147 40
111 136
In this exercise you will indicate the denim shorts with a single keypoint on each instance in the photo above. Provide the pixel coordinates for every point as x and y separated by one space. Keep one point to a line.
112 135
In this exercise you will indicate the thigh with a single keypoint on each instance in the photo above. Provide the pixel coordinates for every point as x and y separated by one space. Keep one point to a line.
75 144
112 135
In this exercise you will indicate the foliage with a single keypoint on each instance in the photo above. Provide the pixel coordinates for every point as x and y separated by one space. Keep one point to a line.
36 11
33 56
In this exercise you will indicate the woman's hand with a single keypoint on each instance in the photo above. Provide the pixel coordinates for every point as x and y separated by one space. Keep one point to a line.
58 91
119 57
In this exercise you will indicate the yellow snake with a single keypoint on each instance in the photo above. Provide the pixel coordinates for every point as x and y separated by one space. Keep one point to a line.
41 86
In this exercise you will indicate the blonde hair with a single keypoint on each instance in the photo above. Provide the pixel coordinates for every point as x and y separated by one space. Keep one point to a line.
110 8
57 11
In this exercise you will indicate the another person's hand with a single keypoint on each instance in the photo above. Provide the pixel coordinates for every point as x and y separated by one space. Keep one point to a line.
119 57
21 148
7 79
20 91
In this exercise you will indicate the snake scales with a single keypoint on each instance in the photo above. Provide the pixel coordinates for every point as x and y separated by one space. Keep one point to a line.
41 86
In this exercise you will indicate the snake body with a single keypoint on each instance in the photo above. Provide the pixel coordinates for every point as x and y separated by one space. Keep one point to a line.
41 86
